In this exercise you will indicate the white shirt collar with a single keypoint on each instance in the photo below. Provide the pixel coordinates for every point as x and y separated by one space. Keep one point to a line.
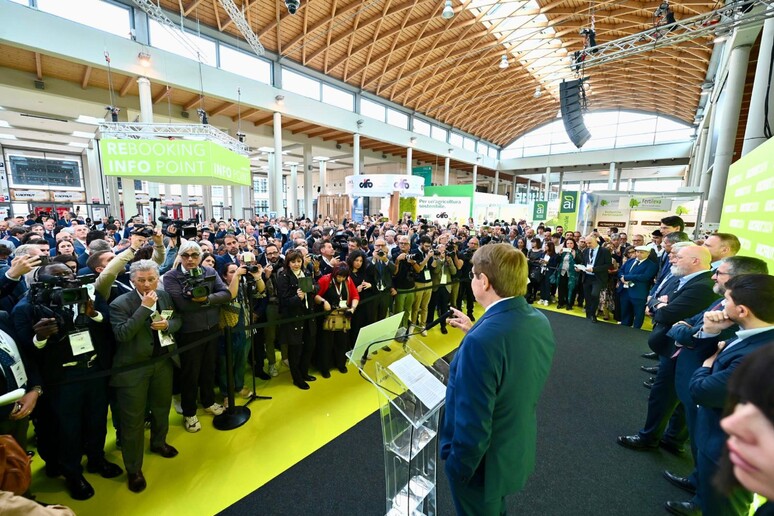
498 301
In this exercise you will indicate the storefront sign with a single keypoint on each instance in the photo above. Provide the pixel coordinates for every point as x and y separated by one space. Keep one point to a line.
645 203
195 200
540 210
141 197
380 185
171 161
170 200
612 218
30 195
69 196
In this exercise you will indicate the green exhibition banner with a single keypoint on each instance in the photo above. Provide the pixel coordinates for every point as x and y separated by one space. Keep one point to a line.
748 207
425 172
568 210
540 210
174 161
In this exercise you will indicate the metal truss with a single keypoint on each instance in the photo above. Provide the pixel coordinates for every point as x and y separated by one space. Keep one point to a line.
136 130
242 25
720 22
155 12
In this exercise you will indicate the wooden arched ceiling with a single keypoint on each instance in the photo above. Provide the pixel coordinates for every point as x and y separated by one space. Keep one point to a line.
405 52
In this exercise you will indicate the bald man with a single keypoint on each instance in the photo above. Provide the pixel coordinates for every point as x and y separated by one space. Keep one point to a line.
693 292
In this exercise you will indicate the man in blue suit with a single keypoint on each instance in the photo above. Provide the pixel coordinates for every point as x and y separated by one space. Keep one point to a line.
489 430
750 304
634 280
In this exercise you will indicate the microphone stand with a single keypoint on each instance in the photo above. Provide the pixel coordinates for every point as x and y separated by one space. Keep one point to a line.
248 286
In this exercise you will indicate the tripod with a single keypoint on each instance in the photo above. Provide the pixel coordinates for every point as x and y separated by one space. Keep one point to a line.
248 286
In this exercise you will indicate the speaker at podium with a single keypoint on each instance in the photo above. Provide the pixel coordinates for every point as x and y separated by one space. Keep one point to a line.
570 93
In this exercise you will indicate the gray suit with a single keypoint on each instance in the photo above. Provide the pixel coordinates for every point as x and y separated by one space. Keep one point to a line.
149 386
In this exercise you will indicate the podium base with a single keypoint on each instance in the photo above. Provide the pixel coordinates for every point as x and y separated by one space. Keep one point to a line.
233 417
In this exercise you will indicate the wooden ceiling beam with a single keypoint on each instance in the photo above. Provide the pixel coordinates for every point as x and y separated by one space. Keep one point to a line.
263 120
389 54
165 91
38 66
191 103
125 87
245 114
85 78
222 108
188 10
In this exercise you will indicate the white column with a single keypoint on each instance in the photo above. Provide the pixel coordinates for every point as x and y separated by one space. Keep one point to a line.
753 133
146 117
409 159
92 175
275 189
293 190
611 177
308 192
237 201
356 155
446 163
731 103
207 201
548 184
697 169
514 190
618 174
475 176
706 175
529 188
561 181
323 177
496 182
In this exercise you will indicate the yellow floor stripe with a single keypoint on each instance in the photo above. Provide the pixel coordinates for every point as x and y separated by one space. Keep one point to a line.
580 312
216 468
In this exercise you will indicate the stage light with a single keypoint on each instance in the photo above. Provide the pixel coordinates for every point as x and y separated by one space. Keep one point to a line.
448 11
280 99
203 116
144 58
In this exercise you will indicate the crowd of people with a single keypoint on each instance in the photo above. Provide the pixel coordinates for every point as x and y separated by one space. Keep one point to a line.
79 297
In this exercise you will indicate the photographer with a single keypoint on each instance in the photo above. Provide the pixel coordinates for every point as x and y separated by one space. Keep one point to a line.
238 279
329 259
197 292
423 278
57 322
462 260
272 262
384 268
443 273
403 279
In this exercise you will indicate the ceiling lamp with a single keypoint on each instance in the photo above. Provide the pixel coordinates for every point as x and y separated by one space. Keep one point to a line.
144 58
448 11
504 62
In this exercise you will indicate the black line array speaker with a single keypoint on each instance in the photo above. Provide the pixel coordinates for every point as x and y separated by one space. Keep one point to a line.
572 115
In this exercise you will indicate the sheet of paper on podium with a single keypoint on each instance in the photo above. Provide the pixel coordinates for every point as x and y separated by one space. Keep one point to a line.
419 380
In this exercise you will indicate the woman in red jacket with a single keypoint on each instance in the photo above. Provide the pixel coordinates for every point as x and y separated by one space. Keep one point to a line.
337 291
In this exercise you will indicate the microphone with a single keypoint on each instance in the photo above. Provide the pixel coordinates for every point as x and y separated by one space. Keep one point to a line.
402 336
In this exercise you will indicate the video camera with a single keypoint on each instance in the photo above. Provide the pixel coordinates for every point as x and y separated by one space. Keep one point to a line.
339 241
183 228
142 230
57 291
196 284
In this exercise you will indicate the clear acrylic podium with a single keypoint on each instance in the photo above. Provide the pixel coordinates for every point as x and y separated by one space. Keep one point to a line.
409 428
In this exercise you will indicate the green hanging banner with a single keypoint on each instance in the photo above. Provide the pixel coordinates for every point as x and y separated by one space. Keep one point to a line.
540 211
568 210
425 172
174 161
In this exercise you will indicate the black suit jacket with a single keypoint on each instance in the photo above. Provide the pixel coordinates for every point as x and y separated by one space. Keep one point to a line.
602 263
696 294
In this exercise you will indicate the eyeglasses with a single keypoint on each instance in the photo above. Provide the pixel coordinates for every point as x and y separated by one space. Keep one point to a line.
472 275
718 273
189 256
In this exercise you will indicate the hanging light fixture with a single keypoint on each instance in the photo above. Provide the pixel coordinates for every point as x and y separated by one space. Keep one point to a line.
448 11
504 62
144 58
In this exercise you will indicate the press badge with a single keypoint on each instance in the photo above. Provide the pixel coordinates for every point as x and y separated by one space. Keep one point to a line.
342 304
427 275
443 278
80 342
167 314
19 373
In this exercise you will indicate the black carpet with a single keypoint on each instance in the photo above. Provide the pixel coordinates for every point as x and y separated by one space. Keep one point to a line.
593 394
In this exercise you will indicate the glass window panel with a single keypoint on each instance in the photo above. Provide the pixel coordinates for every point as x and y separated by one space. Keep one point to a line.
244 64
301 84
372 109
599 143
397 118
665 124
337 97
100 15
540 150
511 153
603 131
23 2
455 139
421 127
644 126
637 139
629 116
679 135
469 144
171 40
439 133
563 148
493 152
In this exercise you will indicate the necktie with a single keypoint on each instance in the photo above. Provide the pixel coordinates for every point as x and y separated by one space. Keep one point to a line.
591 257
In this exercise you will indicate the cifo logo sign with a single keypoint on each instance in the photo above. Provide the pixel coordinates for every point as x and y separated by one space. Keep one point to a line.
366 184
402 184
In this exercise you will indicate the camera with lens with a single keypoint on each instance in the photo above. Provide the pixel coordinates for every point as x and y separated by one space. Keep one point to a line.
380 254
196 284
292 5
315 257
50 294
417 257
339 241
176 227
142 230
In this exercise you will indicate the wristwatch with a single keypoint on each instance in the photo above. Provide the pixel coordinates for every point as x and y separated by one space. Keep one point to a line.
38 389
